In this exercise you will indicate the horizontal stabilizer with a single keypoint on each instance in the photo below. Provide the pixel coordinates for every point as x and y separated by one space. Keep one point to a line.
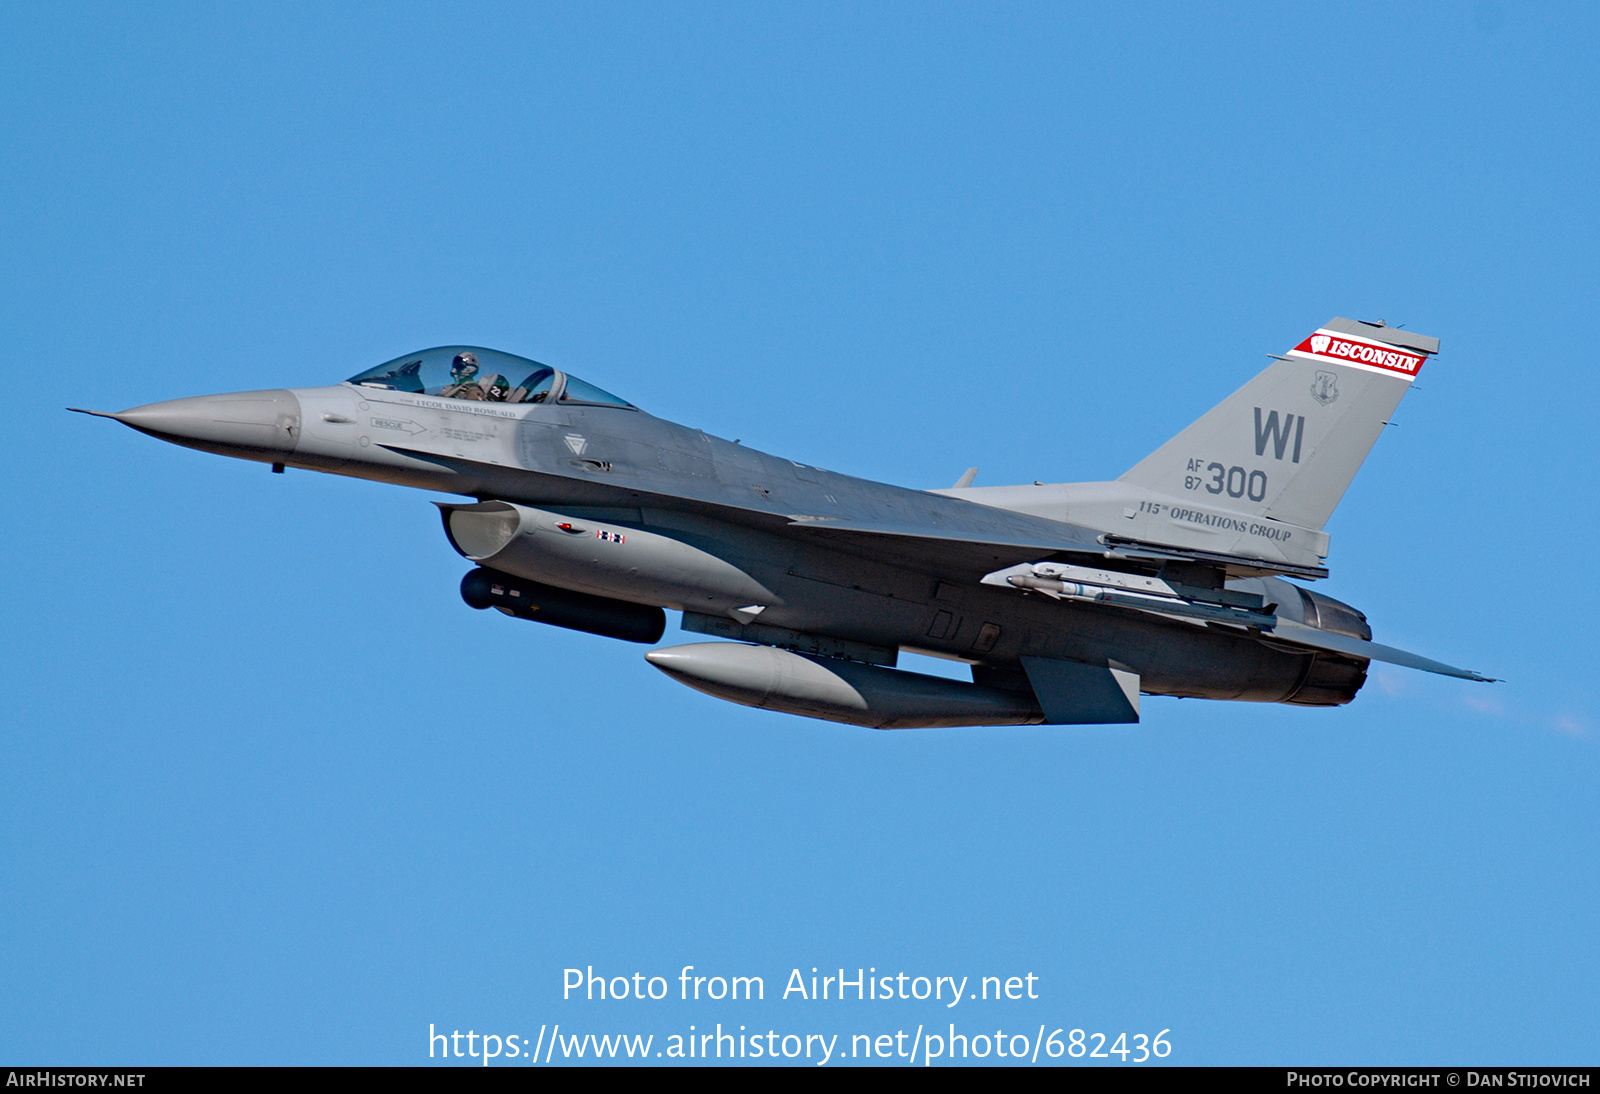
1301 635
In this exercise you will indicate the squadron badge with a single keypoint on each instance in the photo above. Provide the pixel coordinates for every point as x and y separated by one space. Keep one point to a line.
1325 388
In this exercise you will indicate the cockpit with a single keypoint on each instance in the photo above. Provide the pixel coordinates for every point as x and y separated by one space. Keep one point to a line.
483 375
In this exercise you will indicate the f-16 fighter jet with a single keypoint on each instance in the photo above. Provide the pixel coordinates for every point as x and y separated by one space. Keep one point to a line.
1069 601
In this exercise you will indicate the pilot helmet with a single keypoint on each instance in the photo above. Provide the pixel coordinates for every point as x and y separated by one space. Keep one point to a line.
465 364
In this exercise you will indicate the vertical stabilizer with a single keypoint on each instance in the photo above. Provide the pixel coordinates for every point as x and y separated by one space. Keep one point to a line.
1287 444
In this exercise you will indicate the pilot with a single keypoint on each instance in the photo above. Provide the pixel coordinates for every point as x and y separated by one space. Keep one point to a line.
498 388
464 378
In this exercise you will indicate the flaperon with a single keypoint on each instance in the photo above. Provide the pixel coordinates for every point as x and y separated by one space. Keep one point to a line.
1068 601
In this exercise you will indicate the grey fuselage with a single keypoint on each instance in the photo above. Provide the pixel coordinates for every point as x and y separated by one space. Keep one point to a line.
803 535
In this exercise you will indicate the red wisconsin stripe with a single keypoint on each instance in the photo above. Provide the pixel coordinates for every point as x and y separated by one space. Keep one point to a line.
1367 353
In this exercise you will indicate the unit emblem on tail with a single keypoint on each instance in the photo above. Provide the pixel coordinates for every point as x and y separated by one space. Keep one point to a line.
1325 388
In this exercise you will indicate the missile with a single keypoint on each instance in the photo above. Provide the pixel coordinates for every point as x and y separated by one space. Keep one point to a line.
485 588
1076 590
840 691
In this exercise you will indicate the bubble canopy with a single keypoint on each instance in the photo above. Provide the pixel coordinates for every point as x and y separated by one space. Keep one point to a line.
483 375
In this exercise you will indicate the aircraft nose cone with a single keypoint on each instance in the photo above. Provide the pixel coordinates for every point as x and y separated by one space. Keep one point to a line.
266 422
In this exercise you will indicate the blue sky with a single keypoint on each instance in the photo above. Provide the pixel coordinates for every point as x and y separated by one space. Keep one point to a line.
269 793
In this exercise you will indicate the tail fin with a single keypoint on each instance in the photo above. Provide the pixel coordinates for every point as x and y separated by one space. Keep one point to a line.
1287 444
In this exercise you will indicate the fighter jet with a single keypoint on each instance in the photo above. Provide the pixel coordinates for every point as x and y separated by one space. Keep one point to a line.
1068 600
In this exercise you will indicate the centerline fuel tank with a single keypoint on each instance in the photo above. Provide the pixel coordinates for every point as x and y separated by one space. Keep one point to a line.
838 690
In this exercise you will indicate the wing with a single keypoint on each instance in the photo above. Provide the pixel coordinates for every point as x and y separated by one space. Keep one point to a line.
992 540
945 537
1003 542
